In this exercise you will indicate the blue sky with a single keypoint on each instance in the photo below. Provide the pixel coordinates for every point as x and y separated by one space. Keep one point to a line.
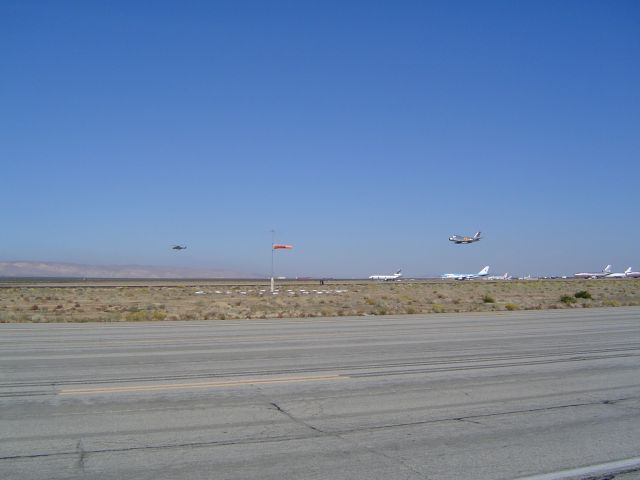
364 132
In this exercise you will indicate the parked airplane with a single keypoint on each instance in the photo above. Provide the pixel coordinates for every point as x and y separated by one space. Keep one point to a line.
500 277
467 276
620 274
179 247
464 239
528 277
605 271
387 278
633 274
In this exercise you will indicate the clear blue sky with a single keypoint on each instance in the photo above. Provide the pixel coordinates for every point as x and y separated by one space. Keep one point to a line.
364 132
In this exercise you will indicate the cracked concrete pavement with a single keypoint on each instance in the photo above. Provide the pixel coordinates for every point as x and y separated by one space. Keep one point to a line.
482 396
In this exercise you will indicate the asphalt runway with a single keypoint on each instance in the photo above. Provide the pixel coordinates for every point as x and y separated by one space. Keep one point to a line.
541 394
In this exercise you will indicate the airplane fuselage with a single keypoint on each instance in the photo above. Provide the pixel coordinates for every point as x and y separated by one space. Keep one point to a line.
458 239
387 278
466 276
624 274
499 277
587 275
463 240
605 271
459 276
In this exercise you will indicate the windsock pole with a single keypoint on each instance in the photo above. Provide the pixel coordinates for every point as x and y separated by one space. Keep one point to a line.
276 246
273 241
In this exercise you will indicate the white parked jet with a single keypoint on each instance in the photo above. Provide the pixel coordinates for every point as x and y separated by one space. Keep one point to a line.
500 277
605 271
387 278
620 274
466 276
633 274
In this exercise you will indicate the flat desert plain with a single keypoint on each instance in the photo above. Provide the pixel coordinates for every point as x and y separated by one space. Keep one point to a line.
113 301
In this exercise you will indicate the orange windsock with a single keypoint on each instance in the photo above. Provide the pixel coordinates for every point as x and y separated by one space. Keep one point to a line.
277 246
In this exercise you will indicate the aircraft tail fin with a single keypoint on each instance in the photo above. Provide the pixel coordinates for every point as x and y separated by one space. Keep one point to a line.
607 269
477 234
484 271
628 270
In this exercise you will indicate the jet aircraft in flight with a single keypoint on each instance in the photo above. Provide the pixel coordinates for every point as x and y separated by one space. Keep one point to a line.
387 278
465 239
179 247
466 276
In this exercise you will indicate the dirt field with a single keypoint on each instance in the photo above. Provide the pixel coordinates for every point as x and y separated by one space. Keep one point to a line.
210 300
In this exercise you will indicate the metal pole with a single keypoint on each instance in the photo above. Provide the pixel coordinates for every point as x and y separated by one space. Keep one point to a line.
273 241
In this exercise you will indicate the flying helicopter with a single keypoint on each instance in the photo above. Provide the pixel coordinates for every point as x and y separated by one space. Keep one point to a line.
179 247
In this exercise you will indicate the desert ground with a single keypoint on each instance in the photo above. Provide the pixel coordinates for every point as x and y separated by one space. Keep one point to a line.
113 301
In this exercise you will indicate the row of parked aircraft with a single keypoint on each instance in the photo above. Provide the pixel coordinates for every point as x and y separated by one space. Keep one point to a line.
606 273
454 276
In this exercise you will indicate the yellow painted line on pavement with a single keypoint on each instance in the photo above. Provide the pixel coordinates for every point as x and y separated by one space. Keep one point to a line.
187 386
204 341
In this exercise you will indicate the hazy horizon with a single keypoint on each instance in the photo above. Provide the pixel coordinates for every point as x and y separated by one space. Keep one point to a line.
365 134
35 269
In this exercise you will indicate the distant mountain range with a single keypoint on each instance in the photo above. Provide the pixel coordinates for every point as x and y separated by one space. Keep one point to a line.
56 269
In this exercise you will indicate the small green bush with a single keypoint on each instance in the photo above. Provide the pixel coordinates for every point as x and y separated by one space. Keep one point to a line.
488 299
437 308
139 316
512 306
583 294
567 299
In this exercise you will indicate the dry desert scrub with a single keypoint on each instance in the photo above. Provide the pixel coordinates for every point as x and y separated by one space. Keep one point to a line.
223 300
